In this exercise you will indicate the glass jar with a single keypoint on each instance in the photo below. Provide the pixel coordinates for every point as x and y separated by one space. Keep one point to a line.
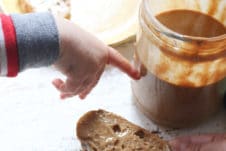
181 52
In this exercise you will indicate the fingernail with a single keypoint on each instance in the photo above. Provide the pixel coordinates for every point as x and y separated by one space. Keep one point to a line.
173 145
62 97
137 74
177 145
82 97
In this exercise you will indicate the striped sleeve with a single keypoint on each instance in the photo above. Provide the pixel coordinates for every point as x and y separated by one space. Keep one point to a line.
9 63
27 41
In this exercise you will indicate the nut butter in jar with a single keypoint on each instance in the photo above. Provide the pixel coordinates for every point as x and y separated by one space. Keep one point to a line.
181 51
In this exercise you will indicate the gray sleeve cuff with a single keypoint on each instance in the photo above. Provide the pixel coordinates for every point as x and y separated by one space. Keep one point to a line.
37 39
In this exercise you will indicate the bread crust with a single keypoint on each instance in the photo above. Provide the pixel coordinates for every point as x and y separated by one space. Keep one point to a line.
104 131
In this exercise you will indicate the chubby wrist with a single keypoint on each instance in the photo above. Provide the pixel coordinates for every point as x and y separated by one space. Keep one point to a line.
61 38
65 41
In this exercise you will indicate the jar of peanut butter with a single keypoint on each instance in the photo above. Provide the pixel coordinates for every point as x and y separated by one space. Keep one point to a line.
181 52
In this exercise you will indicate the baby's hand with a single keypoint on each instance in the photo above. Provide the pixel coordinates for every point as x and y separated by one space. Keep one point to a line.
205 142
83 59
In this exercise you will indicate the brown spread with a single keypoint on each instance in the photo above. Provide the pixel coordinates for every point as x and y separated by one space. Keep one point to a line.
191 23
174 104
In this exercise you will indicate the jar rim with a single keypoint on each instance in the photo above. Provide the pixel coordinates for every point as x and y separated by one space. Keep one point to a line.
166 31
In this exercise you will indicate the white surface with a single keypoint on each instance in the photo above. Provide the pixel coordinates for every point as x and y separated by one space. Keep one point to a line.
33 118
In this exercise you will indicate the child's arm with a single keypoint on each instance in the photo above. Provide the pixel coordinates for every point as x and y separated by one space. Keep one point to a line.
39 39
27 41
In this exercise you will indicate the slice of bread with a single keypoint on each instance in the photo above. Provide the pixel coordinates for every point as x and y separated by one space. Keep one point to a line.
104 131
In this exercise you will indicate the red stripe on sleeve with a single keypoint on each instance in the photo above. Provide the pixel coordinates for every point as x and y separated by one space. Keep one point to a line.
11 45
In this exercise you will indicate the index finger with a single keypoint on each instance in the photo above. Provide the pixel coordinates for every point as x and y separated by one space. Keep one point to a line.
117 60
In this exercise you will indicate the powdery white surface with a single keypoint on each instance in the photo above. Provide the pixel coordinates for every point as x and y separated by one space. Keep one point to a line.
33 118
